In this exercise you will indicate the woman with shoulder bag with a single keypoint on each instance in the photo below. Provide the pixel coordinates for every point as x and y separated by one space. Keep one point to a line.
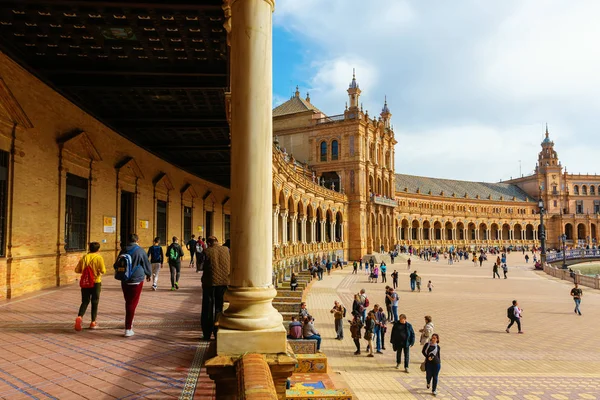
369 327
427 330
433 363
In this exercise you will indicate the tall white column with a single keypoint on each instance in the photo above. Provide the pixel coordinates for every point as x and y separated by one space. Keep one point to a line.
284 227
275 225
303 230
250 291
293 228
323 235
342 232
332 231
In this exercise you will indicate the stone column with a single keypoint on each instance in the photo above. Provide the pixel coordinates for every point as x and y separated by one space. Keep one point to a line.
275 225
294 224
251 324
332 231
303 230
313 236
323 235
284 227
342 232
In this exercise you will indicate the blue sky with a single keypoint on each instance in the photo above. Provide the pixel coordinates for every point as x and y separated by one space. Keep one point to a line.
471 84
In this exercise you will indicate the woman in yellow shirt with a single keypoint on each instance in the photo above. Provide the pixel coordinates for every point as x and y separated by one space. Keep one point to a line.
94 261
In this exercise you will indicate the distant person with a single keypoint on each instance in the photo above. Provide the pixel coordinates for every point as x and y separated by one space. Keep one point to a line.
309 331
91 267
355 327
413 281
155 252
395 279
303 313
355 266
505 270
427 330
339 312
394 299
131 284
576 293
191 247
418 281
295 329
174 255
430 286
215 279
495 269
383 269
514 314
369 332
526 258
408 262
293 282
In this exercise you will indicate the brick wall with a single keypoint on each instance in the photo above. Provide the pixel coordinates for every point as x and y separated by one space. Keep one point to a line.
35 255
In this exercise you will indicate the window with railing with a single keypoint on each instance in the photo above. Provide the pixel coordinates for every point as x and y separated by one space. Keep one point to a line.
161 219
323 151
579 207
334 150
76 213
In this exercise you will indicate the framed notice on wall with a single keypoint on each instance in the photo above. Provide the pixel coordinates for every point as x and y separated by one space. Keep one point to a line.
144 223
110 224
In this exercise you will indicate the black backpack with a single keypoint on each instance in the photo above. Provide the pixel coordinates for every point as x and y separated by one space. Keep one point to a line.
510 312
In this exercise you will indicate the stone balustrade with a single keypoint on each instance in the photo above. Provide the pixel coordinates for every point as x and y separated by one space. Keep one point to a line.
565 274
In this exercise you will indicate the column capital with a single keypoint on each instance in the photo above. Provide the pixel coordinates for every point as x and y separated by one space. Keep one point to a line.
283 213
276 209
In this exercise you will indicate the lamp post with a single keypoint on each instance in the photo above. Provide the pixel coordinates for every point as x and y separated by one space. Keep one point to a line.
563 239
542 232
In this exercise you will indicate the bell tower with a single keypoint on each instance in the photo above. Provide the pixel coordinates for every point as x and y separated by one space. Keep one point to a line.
386 115
550 178
353 93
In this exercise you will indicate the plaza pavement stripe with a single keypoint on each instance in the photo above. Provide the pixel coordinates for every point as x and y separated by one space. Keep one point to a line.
193 374
26 386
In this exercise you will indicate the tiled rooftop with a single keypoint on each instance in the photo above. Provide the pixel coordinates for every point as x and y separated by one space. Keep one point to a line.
293 106
492 191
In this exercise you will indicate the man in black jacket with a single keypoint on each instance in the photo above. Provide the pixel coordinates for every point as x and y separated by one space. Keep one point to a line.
133 287
402 339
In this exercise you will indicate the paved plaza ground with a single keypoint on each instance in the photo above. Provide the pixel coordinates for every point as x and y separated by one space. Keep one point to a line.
41 356
556 358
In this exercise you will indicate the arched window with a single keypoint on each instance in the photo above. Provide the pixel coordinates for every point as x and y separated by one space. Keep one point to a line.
323 151
575 189
334 150
592 190
584 190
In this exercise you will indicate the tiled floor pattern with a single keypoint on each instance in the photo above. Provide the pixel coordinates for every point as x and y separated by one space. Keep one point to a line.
556 358
42 357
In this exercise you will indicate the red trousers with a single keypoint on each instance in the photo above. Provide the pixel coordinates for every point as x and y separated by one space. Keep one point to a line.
131 293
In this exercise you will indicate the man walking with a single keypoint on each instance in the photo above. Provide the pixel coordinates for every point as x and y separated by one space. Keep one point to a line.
215 279
576 293
394 298
338 312
395 279
175 254
413 280
514 314
402 339
155 252
191 247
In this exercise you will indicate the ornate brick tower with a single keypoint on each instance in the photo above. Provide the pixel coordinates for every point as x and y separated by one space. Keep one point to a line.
550 179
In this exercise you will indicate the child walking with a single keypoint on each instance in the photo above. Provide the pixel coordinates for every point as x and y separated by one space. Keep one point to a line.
429 286
91 267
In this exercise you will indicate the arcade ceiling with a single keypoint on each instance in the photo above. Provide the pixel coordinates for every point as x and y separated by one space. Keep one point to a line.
154 71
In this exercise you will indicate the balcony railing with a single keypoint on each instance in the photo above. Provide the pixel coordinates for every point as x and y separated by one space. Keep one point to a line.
334 118
384 201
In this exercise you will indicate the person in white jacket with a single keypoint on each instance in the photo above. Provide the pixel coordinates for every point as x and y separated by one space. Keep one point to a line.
427 330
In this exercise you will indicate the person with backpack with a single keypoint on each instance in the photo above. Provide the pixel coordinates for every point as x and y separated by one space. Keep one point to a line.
191 247
155 252
339 312
175 254
514 314
91 267
131 267
200 247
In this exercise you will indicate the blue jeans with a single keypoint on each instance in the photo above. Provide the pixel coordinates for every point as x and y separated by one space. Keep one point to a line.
317 338
377 333
364 316
577 303
431 373
412 284
395 312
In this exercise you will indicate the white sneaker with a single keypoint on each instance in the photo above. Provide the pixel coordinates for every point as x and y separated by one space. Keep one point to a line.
129 333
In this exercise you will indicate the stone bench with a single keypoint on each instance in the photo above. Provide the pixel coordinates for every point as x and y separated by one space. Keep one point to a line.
312 394
303 346
311 363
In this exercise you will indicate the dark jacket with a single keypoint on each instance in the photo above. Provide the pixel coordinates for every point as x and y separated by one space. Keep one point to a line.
138 257
395 339
177 248
428 349
153 258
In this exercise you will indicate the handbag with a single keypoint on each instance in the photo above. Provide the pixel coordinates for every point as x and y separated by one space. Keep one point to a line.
423 366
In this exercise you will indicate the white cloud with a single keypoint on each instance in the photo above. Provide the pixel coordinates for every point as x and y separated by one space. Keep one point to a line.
470 84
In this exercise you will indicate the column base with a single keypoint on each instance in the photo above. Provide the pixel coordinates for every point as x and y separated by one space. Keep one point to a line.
266 341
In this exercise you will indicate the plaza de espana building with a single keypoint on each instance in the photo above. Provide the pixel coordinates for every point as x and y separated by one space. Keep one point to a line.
352 194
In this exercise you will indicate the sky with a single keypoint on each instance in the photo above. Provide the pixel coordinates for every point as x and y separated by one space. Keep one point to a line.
471 84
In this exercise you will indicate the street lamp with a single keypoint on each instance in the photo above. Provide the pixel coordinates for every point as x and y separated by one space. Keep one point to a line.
542 232
563 239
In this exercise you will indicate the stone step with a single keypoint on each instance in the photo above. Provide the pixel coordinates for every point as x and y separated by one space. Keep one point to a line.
286 285
286 300
289 293
287 315
287 307
303 346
